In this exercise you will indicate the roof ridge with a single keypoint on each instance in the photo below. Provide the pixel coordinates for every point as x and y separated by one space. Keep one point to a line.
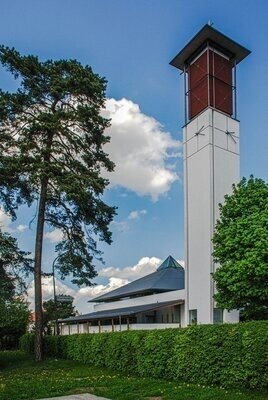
169 262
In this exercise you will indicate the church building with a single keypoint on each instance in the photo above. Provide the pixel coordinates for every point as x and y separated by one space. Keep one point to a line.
171 296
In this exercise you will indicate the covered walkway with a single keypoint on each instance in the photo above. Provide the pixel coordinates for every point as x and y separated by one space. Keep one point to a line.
147 316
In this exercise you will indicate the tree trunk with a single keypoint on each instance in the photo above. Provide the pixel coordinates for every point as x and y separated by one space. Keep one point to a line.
38 345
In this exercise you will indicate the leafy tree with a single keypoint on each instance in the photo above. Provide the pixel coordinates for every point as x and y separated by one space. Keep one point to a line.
241 248
54 310
14 319
51 152
14 266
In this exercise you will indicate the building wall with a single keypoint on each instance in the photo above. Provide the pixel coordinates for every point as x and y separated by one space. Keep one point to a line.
211 166
160 297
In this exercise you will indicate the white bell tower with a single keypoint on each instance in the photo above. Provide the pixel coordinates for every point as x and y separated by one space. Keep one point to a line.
211 159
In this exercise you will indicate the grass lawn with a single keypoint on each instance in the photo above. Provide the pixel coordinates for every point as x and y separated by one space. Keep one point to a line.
21 378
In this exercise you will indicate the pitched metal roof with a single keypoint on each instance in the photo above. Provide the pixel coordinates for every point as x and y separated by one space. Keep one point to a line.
121 312
169 262
169 276
209 34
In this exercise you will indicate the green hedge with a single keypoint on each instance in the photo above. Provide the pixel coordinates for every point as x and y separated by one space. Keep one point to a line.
224 355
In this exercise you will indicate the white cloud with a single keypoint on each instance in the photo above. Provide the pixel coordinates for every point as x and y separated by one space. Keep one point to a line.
140 149
47 289
81 296
145 266
121 226
5 221
136 214
21 228
86 293
97 290
54 236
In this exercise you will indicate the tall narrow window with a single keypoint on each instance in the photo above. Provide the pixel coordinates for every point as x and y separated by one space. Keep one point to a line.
217 316
192 317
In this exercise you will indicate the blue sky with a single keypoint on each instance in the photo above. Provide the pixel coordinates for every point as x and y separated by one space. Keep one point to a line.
131 43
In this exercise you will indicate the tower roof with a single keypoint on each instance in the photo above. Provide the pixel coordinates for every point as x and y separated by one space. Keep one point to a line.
207 34
169 262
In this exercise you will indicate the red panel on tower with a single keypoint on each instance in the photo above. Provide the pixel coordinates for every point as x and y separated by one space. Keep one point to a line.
222 83
210 83
198 88
198 70
222 67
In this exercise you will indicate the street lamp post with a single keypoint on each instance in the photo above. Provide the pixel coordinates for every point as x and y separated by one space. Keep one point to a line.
55 297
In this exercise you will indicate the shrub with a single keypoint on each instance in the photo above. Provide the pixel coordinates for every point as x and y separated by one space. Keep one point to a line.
123 351
157 353
224 355
27 343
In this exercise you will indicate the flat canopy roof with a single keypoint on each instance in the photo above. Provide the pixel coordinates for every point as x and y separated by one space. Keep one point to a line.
121 312
209 34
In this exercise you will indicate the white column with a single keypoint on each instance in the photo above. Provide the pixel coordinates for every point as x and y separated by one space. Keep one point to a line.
211 166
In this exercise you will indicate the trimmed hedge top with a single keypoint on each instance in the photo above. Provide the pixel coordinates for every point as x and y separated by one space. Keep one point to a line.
228 355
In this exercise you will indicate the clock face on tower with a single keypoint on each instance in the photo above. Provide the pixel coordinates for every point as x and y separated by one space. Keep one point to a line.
226 132
199 132
211 128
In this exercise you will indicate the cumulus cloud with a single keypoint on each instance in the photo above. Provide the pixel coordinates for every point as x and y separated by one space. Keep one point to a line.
54 236
136 214
21 228
5 221
47 289
141 150
121 226
97 290
86 293
145 266
81 296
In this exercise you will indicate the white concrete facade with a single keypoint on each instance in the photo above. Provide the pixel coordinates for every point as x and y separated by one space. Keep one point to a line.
137 301
211 166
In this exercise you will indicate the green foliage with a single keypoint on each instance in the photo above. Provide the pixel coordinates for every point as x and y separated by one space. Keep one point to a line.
27 343
126 350
154 354
57 309
240 247
14 318
51 149
223 355
51 153
14 314
14 265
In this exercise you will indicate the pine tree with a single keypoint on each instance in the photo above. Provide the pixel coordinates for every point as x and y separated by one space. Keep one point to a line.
51 152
